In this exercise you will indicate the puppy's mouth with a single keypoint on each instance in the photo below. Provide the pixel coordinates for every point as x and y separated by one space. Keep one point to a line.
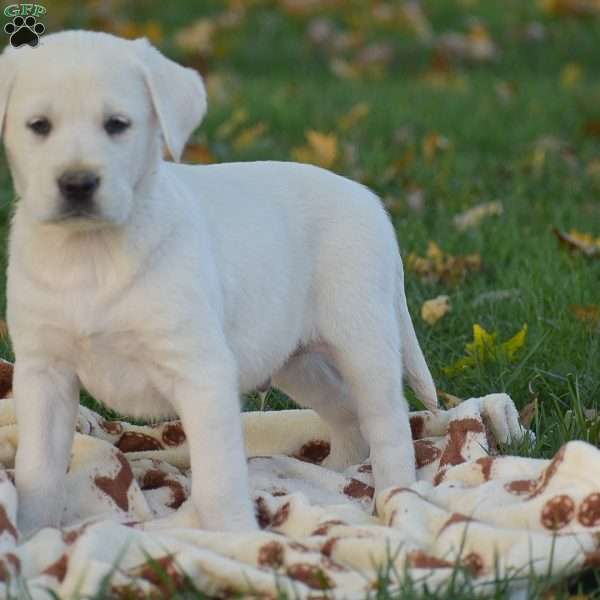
76 214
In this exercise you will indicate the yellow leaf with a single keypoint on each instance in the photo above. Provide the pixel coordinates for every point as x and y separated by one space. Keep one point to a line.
356 114
570 75
236 120
433 310
450 401
483 343
321 149
473 216
484 348
249 136
512 346
579 241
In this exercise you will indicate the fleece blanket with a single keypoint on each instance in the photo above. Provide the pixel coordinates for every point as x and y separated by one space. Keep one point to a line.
129 530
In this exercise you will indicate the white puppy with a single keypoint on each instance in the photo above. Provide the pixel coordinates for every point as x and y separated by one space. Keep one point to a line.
169 289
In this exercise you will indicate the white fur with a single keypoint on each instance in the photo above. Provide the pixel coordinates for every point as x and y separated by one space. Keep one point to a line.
195 283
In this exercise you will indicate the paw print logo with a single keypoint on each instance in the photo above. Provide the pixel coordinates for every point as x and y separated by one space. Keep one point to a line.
24 31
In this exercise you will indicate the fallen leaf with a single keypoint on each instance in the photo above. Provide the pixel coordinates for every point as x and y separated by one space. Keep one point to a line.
570 75
485 348
132 30
412 16
433 310
450 401
238 118
571 8
437 266
579 241
198 153
197 37
321 149
590 314
528 413
591 128
249 136
354 116
432 144
593 168
473 216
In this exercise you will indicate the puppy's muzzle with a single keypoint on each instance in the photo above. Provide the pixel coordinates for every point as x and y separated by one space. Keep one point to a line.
77 189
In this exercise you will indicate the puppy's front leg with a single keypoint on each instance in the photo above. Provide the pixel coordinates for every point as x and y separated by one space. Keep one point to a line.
46 400
208 404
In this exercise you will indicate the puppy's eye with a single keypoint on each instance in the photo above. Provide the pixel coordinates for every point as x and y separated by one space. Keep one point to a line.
40 126
115 125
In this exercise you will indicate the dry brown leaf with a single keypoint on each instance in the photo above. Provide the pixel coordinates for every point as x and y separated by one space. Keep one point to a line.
571 8
528 413
198 153
432 144
590 314
473 216
249 136
354 116
579 241
593 168
591 128
321 149
197 37
437 266
433 310
3 328
132 30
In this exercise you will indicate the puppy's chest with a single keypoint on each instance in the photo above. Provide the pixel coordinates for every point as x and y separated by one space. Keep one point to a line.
116 368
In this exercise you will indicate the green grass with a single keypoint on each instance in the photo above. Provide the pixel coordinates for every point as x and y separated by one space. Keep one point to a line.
283 81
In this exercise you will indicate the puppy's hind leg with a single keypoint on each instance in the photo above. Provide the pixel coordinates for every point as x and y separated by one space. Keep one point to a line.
368 358
312 380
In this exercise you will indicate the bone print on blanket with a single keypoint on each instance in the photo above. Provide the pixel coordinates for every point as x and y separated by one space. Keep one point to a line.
128 486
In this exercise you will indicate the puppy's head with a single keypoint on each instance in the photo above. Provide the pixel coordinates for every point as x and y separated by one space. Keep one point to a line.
85 117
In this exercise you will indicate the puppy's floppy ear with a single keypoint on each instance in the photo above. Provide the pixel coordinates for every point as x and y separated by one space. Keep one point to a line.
177 93
8 71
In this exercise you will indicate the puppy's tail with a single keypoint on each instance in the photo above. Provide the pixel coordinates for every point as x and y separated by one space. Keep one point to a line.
416 369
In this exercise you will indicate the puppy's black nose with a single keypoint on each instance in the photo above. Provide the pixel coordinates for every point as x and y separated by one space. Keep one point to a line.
78 186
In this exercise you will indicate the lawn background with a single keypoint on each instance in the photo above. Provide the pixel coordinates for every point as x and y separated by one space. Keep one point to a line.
443 133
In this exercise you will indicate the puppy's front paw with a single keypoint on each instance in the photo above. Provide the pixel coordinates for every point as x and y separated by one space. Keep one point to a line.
231 515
